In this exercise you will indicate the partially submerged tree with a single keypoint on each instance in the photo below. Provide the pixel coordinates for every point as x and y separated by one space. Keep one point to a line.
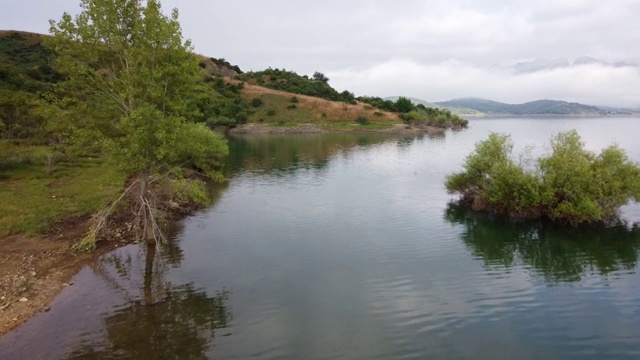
570 185
129 80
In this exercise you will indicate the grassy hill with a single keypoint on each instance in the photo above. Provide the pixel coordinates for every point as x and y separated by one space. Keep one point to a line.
281 108
539 107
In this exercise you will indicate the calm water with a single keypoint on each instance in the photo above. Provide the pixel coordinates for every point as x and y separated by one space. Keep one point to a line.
346 247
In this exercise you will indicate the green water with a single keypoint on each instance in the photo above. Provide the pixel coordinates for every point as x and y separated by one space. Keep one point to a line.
348 247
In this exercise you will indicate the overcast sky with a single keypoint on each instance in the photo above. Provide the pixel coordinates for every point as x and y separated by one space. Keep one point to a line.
433 50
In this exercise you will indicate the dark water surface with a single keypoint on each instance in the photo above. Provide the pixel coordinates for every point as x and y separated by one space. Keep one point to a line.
346 247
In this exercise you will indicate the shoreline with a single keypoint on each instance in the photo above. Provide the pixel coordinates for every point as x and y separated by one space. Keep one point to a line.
37 268
308 128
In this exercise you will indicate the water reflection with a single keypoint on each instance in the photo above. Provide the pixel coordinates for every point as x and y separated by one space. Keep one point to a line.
558 253
286 153
175 321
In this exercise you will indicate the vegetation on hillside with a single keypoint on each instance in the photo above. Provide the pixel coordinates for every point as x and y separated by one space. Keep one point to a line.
417 115
282 109
26 73
289 81
455 110
569 185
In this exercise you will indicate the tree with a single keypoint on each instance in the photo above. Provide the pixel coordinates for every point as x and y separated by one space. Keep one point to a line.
318 76
569 185
404 105
129 79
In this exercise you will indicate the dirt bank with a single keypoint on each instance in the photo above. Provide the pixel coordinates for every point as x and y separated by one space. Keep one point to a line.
34 269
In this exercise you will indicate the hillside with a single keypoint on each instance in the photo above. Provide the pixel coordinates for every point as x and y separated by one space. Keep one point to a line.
27 73
281 108
539 107
227 96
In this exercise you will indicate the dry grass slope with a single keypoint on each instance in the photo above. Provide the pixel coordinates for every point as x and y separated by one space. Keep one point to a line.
278 108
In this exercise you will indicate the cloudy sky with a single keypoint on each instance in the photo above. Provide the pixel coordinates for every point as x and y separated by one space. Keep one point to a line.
433 50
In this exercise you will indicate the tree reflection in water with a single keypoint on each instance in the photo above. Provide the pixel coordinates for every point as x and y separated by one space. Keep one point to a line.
160 322
558 253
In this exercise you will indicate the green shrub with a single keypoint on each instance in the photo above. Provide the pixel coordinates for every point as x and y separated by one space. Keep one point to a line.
294 99
362 120
292 106
218 121
569 185
271 112
257 102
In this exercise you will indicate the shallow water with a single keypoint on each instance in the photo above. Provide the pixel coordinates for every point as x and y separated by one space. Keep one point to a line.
346 247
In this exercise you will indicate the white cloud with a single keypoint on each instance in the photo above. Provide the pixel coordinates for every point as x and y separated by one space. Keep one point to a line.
452 42
591 84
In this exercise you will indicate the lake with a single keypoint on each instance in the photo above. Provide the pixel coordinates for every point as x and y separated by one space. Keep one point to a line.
347 246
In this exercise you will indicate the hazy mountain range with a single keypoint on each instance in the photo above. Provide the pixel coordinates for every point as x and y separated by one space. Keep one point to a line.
538 107
479 107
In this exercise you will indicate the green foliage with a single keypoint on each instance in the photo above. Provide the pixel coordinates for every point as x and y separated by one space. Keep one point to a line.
289 81
31 201
440 118
134 88
404 105
569 185
223 62
362 120
295 100
25 74
132 78
271 112
257 102
379 103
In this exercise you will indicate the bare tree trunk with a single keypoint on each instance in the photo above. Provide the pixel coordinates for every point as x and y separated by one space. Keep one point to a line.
147 210
148 275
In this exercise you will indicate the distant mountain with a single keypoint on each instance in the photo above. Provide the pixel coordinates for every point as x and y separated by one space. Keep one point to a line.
540 64
453 109
539 107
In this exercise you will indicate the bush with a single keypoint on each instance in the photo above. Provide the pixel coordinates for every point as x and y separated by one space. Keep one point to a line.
362 120
271 112
292 106
218 121
257 102
404 105
569 185
294 99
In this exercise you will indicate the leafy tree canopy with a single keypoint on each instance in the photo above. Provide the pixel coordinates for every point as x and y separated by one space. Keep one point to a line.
569 185
130 81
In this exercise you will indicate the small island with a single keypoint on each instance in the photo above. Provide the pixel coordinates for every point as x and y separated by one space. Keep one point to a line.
570 185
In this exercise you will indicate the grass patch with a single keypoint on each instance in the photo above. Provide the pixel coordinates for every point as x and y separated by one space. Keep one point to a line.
32 201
